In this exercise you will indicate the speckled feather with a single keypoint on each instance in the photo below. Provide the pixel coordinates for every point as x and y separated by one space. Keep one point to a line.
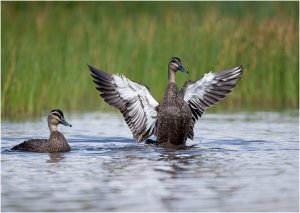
55 143
174 117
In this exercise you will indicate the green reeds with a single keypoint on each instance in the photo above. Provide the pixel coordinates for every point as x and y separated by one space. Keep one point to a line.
47 45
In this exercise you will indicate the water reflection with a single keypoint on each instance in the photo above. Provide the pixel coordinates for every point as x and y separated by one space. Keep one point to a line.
55 157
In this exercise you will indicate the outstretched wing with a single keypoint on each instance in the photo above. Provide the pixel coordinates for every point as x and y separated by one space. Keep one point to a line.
134 100
209 90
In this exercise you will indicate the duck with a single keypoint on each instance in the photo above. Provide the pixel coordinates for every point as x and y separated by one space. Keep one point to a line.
172 121
56 142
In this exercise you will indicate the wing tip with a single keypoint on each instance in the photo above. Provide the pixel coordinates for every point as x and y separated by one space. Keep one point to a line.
96 71
91 68
240 68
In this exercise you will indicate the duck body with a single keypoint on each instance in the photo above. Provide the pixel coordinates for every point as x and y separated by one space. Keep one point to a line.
56 142
174 117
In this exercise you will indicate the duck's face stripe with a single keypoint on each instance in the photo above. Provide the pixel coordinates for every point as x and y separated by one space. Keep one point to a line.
58 111
57 114
176 62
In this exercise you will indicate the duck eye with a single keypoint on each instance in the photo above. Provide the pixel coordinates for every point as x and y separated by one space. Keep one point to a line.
57 115
174 61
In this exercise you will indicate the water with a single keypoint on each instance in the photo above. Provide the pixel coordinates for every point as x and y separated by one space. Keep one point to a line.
237 162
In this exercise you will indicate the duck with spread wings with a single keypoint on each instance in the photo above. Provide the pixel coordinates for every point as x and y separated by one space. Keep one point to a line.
172 121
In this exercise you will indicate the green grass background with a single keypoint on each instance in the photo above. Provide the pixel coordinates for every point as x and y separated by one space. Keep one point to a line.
47 45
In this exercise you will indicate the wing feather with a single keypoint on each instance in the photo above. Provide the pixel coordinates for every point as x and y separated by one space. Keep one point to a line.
134 100
209 90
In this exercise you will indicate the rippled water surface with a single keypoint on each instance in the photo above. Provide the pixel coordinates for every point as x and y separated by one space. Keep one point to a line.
237 162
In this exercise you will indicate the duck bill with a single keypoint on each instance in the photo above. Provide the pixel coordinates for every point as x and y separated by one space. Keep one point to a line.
182 69
64 122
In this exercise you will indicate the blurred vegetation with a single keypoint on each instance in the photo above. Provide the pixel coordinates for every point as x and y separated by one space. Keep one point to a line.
46 47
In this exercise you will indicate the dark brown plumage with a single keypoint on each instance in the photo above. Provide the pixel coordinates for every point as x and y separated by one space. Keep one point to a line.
56 141
174 117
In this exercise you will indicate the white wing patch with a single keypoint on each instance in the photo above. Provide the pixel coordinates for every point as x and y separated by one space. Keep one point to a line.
134 100
198 89
144 105
209 90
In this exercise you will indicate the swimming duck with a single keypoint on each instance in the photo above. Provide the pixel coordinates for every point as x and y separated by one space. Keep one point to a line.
172 121
56 141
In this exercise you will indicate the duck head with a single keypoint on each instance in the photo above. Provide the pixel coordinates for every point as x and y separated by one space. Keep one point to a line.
56 117
175 65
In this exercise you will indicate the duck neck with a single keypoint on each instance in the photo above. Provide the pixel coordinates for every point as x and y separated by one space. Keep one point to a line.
171 76
52 127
